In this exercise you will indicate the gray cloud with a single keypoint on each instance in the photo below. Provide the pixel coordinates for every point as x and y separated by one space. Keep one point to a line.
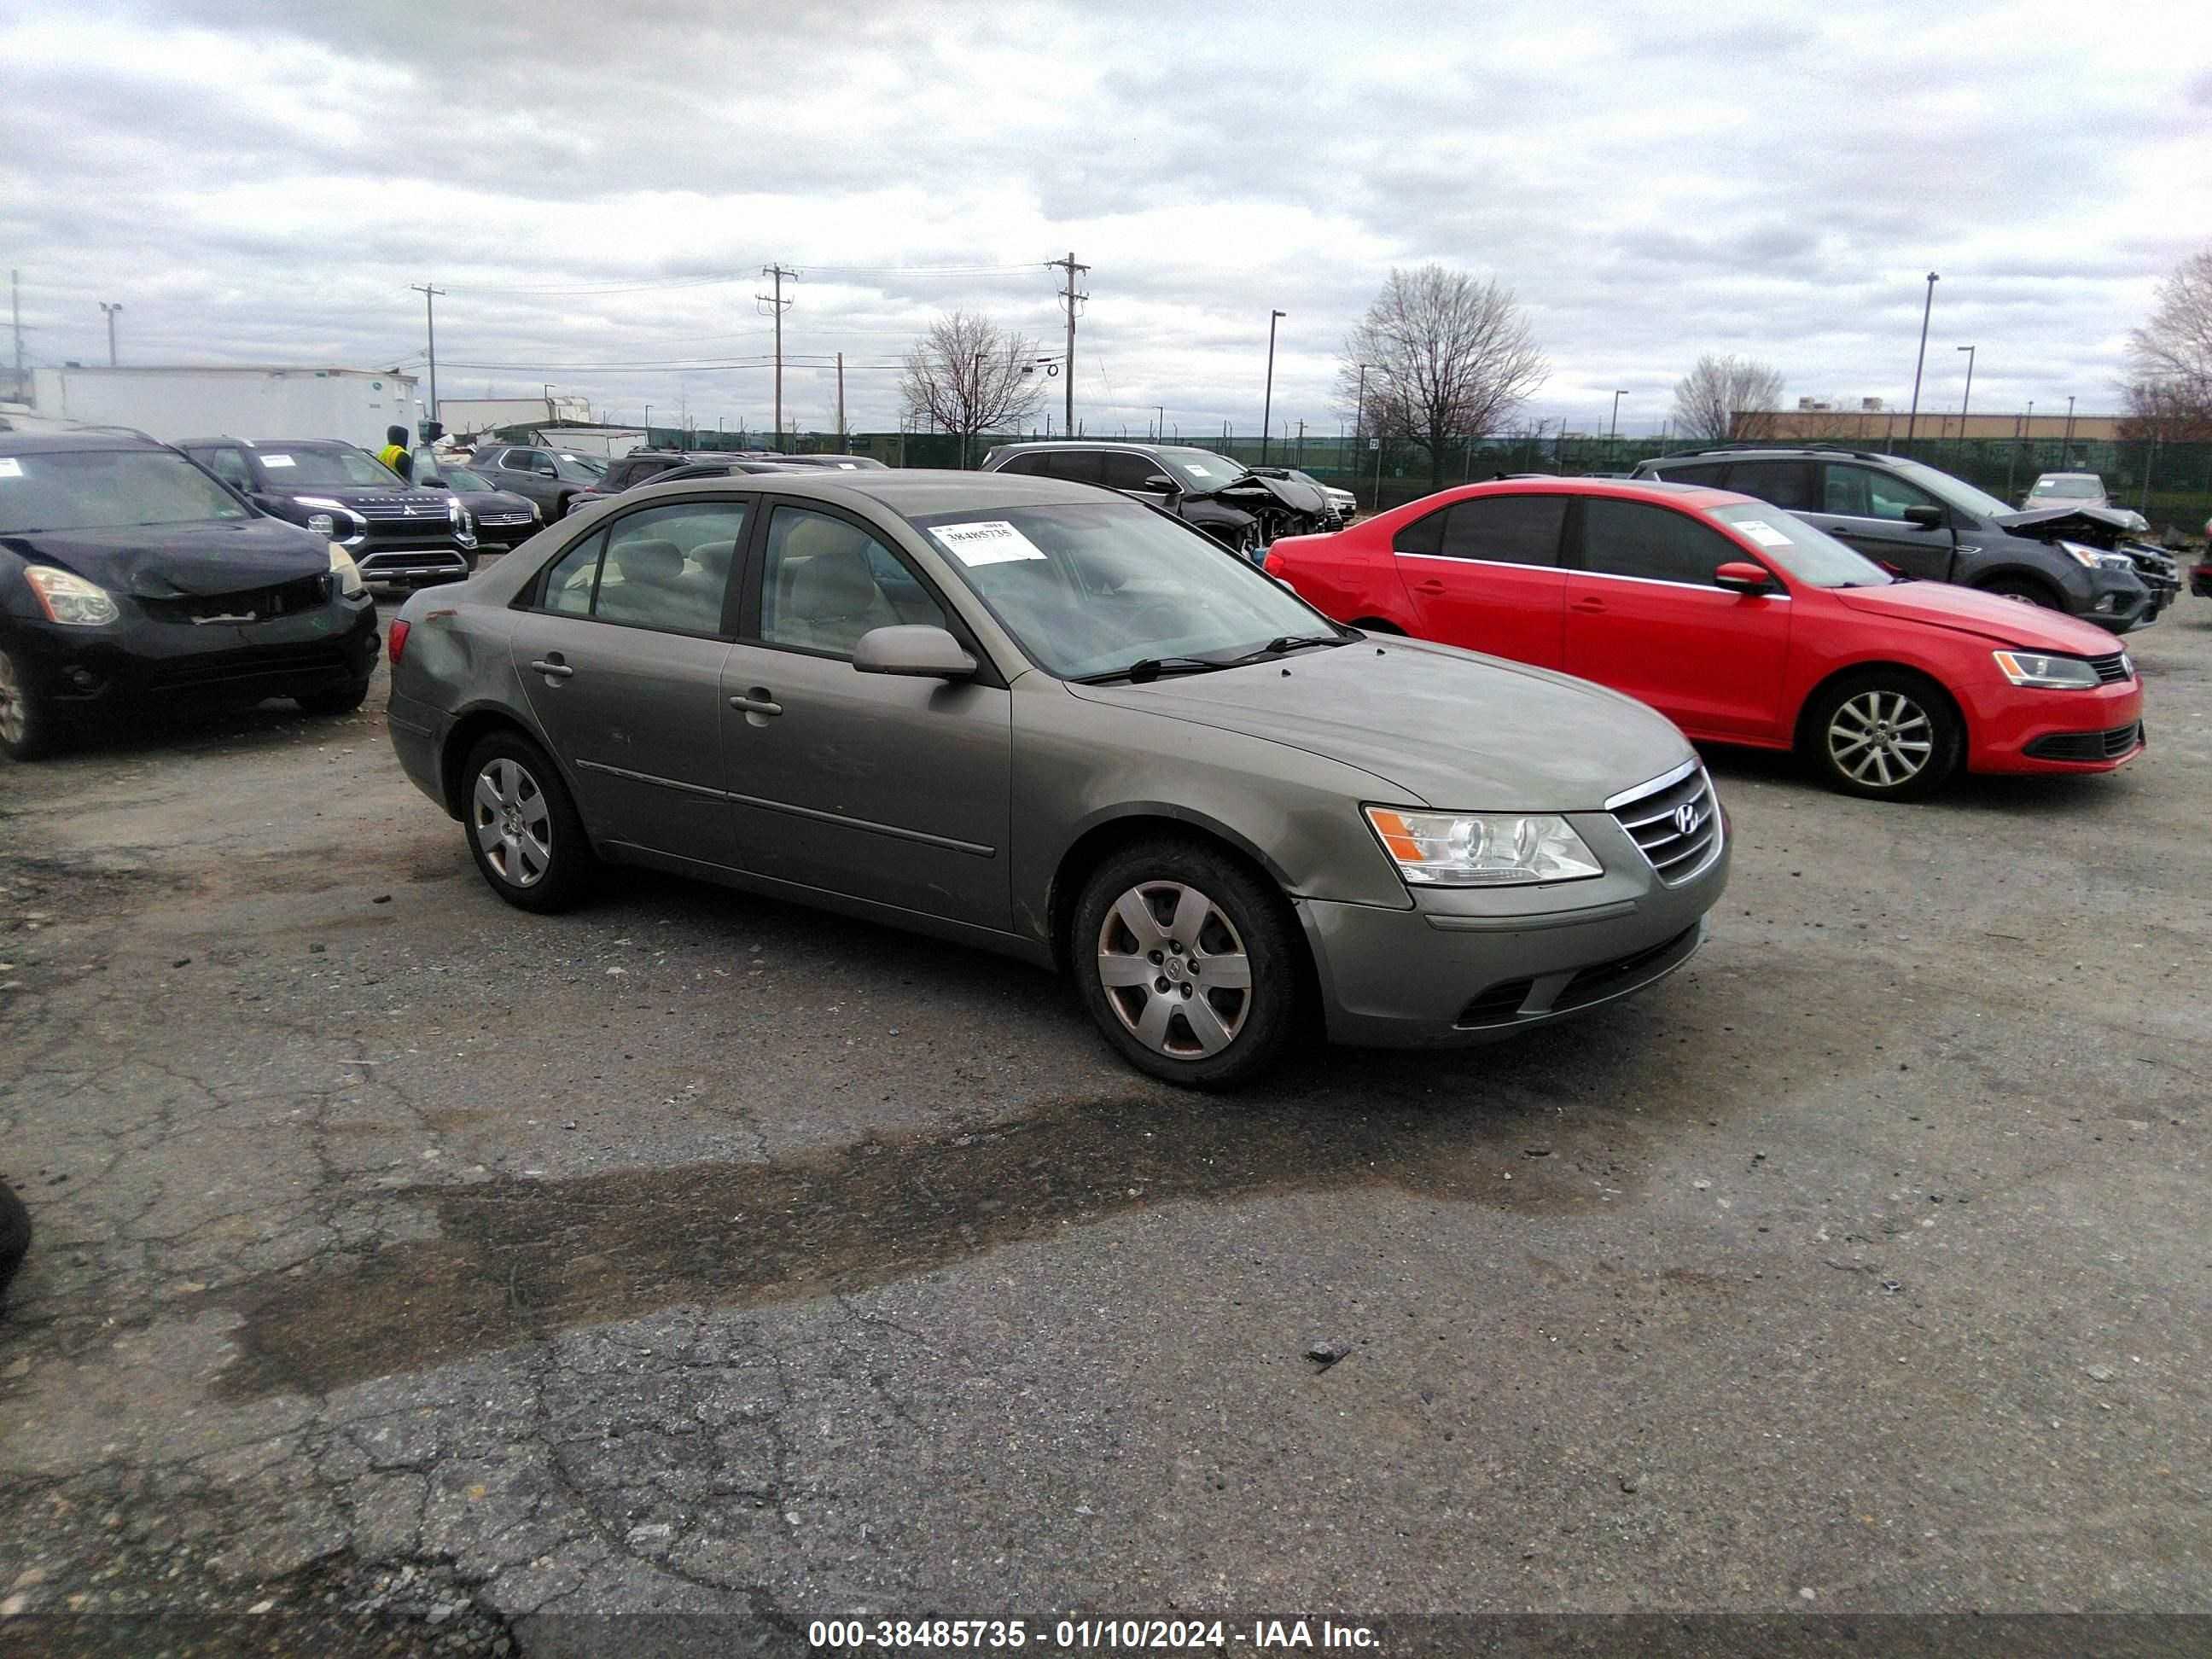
263 181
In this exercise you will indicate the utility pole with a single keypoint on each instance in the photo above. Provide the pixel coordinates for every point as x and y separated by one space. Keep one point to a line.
2066 450
111 310
777 306
1968 396
1161 409
1615 433
1912 420
1068 301
430 321
15 306
843 447
1268 402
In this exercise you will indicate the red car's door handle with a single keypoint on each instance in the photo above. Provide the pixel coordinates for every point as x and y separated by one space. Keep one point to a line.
1432 585
1588 607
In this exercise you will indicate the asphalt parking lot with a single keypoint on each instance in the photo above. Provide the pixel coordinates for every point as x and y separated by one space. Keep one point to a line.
447 1275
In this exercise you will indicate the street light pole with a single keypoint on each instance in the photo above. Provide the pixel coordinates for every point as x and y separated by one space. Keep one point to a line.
111 310
1613 434
1967 397
2066 449
1912 421
1268 404
1161 409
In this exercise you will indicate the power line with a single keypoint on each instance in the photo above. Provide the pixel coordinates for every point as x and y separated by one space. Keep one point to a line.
668 283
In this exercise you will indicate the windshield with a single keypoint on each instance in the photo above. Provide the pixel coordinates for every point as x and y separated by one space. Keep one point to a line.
1812 556
1204 470
579 469
1957 492
323 469
2069 490
455 478
107 489
1092 589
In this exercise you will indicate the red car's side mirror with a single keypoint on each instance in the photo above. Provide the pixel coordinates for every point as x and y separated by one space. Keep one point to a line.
1741 576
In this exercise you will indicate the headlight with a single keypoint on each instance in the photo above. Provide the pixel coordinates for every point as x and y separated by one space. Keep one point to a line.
2095 558
322 524
67 597
1483 850
2052 673
347 572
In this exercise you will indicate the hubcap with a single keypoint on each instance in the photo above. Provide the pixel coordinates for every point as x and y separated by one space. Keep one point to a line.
1881 738
514 825
1175 970
15 715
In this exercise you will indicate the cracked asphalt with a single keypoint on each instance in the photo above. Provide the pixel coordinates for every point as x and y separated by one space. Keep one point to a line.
419 1275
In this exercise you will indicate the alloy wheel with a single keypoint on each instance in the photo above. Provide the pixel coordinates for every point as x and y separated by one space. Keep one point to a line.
514 824
1880 739
1175 970
14 703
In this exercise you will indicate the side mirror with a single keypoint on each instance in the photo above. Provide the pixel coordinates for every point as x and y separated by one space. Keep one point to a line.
1741 576
914 651
1165 485
1925 518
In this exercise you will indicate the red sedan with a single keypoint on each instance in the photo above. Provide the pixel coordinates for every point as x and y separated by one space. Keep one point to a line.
1741 624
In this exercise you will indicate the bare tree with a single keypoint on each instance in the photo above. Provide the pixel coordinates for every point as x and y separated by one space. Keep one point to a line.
968 375
1447 360
2170 356
1710 399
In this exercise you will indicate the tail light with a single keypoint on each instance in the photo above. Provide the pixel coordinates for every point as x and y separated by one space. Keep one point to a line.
1273 567
395 641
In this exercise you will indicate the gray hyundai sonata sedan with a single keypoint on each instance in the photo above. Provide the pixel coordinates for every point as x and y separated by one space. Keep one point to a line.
1040 718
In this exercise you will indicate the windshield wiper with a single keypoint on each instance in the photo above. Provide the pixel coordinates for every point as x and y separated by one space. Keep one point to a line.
1283 643
1151 668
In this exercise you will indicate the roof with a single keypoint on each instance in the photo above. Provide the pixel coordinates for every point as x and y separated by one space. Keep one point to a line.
62 443
264 369
1627 489
1143 447
913 493
268 443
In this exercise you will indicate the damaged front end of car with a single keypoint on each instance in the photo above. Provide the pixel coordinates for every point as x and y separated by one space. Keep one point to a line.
2110 529
1252 513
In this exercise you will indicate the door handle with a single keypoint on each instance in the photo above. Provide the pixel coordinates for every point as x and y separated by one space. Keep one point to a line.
1432 585
1588 607
757 702
553 668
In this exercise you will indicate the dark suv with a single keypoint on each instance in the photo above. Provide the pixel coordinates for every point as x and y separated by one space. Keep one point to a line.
1933 526
1236 506
398 535
645 466
540 473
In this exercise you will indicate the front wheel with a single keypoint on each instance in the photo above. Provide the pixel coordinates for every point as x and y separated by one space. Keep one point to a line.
2023 590
28 725
1188 962
523 830
1887 735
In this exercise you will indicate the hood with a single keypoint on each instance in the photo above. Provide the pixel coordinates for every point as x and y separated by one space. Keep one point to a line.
2003 621
1281 492
169 562
1452 729
491 500
2098 527
371 495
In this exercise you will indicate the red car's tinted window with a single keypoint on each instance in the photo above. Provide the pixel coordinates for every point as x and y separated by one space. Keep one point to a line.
1500 529
1633 538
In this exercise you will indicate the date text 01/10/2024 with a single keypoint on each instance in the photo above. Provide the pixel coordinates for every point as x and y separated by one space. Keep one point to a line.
1086 1635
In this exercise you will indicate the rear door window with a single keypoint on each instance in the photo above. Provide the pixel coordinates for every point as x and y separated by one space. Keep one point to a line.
1707 473
1120 472
1423 535
1505 529
1075 465
1654 543
1786 483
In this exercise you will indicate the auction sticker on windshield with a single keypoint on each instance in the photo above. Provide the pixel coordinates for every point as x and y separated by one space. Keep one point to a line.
1762 532
276 460
991 541
11 467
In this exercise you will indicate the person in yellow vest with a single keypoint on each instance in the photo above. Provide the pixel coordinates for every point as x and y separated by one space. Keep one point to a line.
394 453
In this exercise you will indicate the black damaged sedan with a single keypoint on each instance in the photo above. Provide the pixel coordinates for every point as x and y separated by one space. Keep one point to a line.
127 574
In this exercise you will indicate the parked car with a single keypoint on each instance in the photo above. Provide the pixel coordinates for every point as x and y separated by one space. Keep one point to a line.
1224 498
129 574
2064 489
1741 624
1342 504
838 463
2200 574
502 521
1022 714
698 466
1929 524
546 475
397 534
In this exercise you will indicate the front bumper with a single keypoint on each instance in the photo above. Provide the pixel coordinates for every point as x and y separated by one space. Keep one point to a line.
1466 966
139 658
2119 602
496 535
2019 729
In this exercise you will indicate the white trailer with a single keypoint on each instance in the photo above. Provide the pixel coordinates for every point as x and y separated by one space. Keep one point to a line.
354 405
466 418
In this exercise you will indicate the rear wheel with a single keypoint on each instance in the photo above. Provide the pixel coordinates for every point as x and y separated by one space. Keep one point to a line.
1885 735
522 829
28 725
1187 961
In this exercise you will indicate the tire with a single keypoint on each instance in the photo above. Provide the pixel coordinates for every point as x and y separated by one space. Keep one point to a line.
29 725
2026 590
522 827
345 701
15 1235
1190 905
1886 734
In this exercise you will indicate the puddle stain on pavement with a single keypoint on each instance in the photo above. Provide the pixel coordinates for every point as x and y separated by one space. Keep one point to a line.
518 1260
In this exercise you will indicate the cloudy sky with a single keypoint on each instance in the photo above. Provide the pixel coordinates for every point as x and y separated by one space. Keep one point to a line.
598 188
